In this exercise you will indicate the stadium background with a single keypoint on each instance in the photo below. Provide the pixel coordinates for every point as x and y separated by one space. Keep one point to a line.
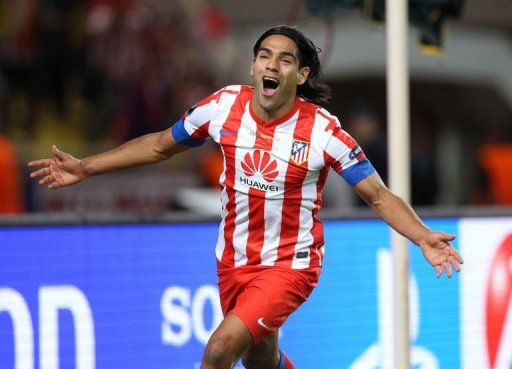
94 275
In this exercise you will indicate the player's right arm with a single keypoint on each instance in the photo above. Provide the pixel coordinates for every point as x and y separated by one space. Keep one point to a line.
64 169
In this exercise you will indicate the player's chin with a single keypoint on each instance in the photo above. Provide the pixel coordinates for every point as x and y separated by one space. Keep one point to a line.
268 103
263 101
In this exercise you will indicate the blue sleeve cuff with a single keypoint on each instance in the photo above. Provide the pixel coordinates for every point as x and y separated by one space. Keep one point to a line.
357 172
181 136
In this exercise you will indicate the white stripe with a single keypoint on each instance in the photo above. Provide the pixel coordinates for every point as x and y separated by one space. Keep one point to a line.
318 141
274 203
317 162
221 242
199 117
244 141
241 228
339 151
214 110
216 123
271 237
221 114
305 238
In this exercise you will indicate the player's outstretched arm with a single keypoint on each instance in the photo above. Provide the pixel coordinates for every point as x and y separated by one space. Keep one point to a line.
64 169
435 246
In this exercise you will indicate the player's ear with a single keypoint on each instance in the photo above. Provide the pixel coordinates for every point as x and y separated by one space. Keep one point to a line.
303 75
252 69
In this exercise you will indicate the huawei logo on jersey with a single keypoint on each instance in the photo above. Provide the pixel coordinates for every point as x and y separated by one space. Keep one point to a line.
261 163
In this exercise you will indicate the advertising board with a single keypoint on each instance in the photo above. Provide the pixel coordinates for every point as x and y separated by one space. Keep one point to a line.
145 296
486 292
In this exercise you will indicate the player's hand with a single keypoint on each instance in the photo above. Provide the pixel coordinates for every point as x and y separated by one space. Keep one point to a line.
63 170
440 254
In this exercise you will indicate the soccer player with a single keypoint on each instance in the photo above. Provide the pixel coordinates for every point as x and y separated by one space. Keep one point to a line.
278 146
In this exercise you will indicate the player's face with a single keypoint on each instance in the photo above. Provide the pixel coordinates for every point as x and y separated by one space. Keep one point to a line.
276 75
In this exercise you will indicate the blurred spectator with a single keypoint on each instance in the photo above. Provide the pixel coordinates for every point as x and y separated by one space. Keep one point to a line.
363 123
11 189
151 55
137 63
211 165
423 170
496 161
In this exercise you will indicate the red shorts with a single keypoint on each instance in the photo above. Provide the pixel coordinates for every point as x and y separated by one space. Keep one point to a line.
263 297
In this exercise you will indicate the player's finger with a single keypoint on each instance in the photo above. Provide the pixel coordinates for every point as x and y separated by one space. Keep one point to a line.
447 237
455 265
46 179
40 163
58 154
457 256
439 270
40 173
447 269
54 185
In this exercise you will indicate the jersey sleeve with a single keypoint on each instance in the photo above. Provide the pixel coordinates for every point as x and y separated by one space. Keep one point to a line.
193 128
345 156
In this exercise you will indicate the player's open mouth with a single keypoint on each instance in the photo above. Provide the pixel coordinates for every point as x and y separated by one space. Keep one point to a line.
270 86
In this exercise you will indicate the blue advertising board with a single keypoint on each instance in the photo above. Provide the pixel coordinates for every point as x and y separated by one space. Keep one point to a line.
145 296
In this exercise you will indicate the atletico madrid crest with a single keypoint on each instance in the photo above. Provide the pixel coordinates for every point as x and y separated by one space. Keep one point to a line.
300 152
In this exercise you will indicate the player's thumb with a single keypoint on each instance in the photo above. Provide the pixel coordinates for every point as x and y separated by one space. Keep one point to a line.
447 237
58 154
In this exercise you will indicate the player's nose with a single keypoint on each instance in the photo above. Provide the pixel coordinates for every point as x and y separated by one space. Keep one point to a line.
272 64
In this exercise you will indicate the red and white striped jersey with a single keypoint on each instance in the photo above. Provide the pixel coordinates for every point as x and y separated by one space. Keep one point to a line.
273 176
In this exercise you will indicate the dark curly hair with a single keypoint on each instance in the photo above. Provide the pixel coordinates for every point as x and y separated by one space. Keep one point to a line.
313 89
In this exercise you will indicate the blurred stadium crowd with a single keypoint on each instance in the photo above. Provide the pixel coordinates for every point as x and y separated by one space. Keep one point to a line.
102 70
110 67
94 73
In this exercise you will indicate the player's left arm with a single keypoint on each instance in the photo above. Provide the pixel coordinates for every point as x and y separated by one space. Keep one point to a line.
435 246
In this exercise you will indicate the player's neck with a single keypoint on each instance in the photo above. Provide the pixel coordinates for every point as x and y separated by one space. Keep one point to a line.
272 114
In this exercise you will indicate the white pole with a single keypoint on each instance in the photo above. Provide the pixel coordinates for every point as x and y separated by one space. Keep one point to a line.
398 166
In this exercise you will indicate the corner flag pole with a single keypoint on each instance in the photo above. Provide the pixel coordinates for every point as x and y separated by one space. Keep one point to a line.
398 166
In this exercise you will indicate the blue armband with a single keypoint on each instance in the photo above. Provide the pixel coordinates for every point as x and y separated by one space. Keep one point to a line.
181 136
357 172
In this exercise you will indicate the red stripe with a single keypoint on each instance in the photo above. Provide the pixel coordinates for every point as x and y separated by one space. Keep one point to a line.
337 131
332 162
344 137
215 96
317 231
255 238
256 226
232 123
295 175
202 132
341 135
332 122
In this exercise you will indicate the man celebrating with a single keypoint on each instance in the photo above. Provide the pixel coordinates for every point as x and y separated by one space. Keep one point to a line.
278 146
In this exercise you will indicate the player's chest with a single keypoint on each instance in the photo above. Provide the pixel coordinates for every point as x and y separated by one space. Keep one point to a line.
268 157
